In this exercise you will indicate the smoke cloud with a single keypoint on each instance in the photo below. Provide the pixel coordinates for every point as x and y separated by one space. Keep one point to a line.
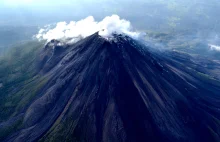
214 47
76 30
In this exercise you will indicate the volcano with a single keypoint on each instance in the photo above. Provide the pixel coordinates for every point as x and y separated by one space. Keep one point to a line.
120 90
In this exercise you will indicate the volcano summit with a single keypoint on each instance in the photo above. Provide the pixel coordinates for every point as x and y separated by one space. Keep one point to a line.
119 90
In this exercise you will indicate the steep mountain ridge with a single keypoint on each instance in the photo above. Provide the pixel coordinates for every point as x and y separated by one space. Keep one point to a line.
120 90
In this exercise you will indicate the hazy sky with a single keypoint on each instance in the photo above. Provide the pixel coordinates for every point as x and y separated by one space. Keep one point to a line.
142 13
45 11
14 3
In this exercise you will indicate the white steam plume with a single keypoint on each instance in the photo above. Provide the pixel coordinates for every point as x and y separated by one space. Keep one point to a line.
74 31
214 47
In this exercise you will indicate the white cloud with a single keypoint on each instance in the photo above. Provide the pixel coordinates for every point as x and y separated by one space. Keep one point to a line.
75 30
214 47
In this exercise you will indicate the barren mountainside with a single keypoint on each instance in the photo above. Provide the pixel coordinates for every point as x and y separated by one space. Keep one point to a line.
119 90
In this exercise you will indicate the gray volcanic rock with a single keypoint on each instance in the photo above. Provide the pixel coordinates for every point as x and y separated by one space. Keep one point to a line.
121 90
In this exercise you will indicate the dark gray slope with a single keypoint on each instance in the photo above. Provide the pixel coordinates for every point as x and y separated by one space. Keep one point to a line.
102 91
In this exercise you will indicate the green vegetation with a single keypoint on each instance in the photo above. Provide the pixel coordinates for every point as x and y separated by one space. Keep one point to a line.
7 130
61 132
19 84
187 41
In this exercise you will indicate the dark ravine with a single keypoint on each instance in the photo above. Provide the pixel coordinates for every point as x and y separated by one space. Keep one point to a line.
122 91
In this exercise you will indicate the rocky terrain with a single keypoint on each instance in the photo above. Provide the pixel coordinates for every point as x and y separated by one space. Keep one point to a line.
119 89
